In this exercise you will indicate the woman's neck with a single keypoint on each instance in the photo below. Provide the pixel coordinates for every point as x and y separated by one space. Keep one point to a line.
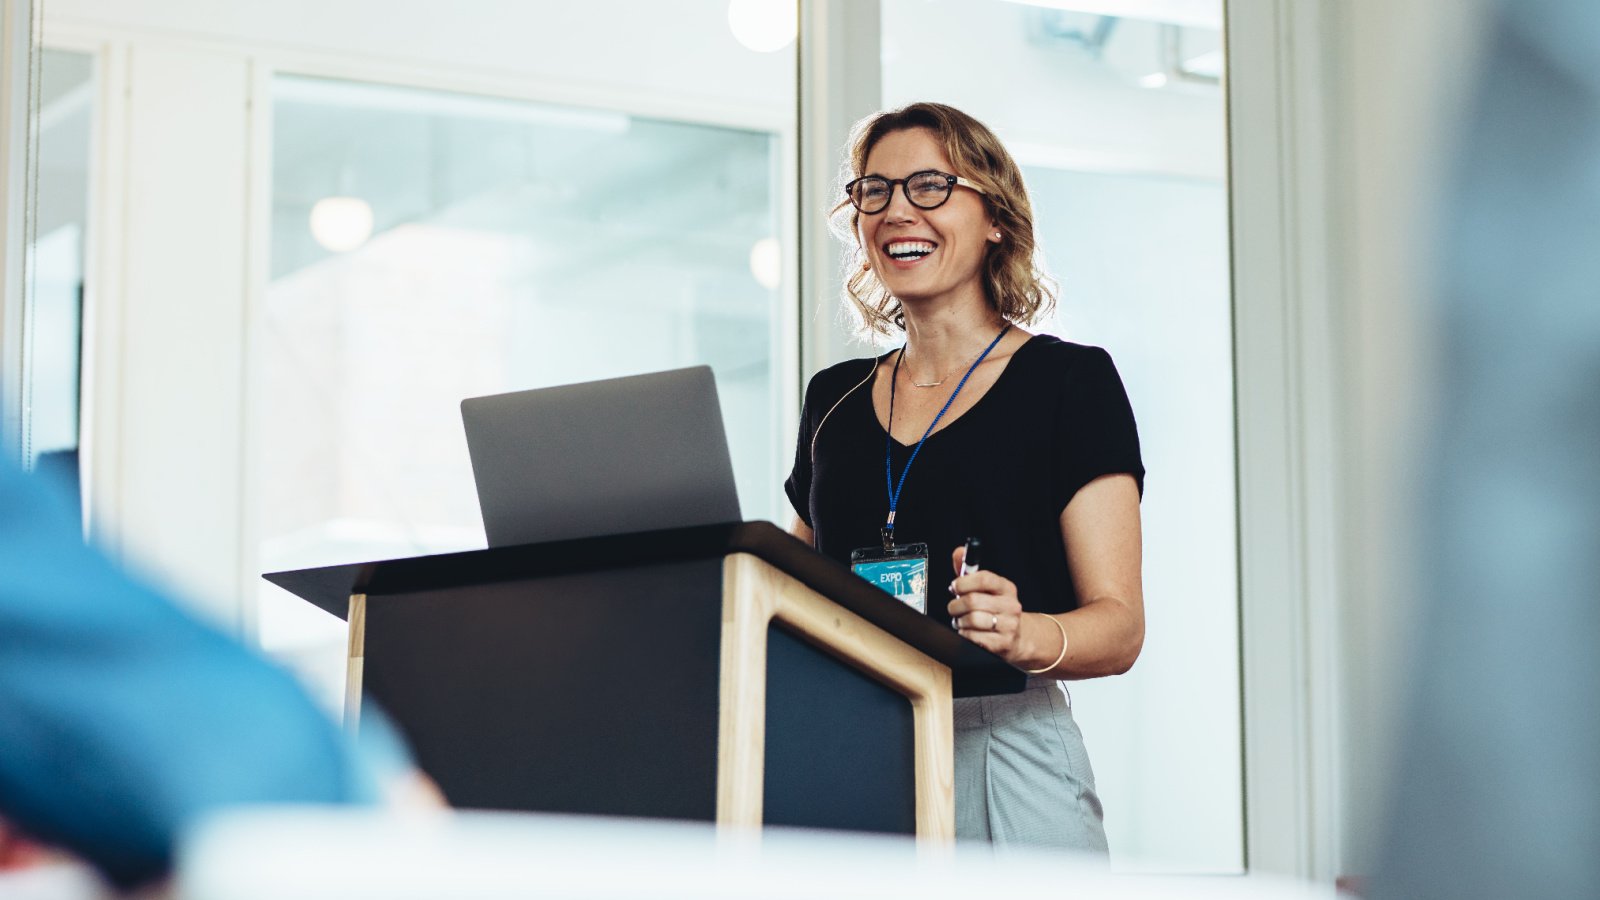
939 341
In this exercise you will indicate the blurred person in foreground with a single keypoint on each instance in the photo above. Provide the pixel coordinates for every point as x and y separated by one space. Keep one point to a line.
123 719
1497 792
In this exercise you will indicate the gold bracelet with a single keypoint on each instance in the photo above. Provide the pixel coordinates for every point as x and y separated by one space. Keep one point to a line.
1063 629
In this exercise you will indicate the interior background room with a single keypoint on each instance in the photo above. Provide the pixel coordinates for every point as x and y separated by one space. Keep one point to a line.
276 245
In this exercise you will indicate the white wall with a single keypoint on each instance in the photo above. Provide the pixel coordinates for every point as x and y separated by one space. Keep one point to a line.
592 52
182 373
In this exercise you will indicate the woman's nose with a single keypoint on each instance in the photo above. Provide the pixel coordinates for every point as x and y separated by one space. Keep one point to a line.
900 209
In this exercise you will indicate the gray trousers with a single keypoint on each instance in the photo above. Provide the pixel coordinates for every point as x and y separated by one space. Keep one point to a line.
1022 773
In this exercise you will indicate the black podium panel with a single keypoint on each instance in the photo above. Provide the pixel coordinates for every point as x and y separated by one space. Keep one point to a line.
510 707
840 747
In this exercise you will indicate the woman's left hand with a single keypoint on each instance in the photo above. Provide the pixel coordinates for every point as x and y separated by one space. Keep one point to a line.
986 611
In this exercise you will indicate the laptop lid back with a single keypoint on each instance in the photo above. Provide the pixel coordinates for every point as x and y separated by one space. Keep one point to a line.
602 457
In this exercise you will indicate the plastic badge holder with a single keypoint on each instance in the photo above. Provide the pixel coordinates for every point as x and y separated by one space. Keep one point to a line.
901 570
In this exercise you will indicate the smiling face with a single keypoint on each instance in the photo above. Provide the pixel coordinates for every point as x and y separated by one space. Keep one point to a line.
925 257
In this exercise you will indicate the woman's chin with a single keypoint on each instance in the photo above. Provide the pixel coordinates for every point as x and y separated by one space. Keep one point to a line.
910 290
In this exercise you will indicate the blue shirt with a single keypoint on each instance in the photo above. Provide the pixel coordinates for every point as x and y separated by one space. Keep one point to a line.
123 718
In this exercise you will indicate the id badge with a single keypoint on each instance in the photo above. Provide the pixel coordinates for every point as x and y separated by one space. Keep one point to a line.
902 570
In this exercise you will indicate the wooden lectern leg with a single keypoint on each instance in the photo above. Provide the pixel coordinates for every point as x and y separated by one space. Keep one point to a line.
755 594
747 608
355 661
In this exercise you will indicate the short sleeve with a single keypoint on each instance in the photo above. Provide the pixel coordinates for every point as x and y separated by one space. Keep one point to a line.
798 485
1095 430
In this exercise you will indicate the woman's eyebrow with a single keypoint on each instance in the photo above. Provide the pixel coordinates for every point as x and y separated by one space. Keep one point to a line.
908 174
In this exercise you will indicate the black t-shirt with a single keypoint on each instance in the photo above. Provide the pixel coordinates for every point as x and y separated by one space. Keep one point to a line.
1057 418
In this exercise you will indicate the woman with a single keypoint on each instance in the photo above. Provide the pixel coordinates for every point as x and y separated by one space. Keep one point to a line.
977 428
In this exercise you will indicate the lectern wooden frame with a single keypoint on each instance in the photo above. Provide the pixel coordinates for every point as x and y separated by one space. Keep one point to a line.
722 672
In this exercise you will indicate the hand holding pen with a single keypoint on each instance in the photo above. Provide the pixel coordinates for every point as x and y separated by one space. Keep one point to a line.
985 610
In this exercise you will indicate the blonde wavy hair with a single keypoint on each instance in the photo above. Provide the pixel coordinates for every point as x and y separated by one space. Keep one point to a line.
1013 283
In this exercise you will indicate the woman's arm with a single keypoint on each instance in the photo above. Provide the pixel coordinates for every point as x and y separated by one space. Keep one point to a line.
1105 551
1100 528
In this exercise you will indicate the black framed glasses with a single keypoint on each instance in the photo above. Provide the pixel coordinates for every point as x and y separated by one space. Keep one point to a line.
925 190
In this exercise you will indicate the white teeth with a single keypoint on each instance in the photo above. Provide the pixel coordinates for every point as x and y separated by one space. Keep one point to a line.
909 249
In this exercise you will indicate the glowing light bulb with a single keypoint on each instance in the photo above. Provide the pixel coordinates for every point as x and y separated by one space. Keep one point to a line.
341 224
766 262
764 26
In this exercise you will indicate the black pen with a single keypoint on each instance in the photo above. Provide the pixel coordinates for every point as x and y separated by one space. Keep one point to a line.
969 564
969 559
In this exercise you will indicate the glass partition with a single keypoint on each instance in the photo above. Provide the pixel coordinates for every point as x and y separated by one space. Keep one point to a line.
429 246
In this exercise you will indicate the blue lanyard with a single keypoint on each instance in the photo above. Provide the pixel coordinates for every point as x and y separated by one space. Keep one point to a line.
888 441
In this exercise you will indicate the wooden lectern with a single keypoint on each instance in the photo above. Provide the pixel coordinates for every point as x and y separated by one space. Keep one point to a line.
722 672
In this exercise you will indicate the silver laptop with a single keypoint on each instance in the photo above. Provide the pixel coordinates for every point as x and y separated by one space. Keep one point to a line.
602 457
